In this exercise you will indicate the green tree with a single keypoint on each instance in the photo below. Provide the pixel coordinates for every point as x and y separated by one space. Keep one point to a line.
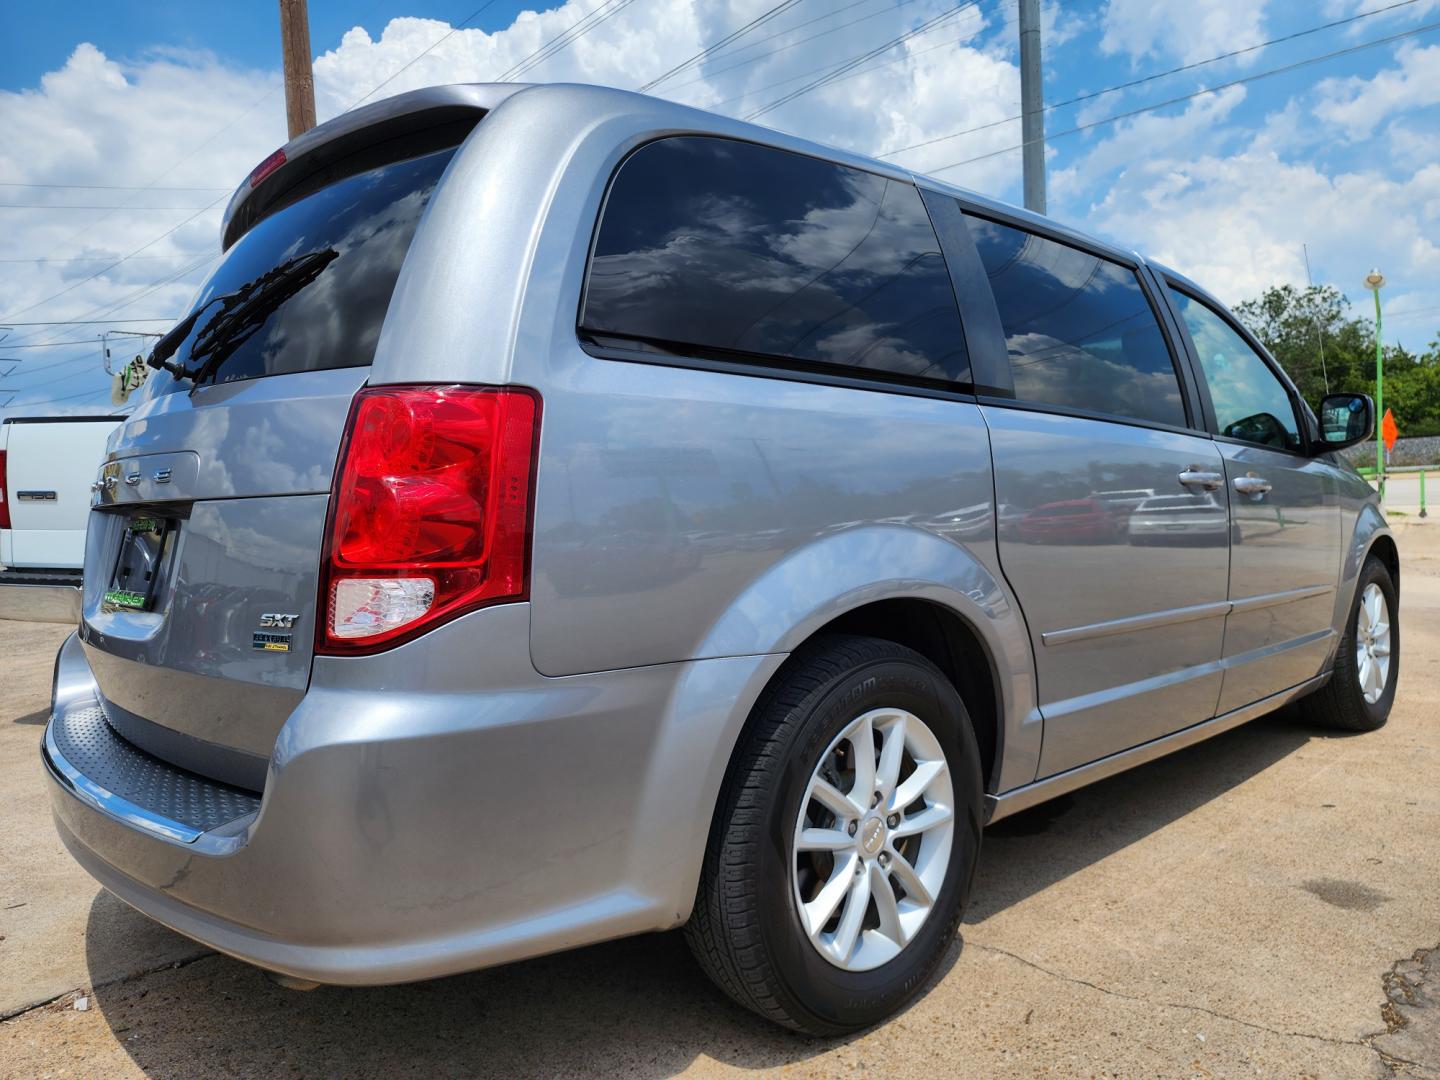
1297 324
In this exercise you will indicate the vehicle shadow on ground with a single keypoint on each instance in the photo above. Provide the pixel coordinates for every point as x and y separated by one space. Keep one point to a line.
639 1006
1026 853
39 716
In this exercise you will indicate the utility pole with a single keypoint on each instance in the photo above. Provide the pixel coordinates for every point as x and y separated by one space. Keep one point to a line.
1032 106
295 51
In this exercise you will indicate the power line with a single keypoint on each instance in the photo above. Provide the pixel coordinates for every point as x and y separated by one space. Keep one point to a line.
190 153
563 40
109 187
50 344
94 206
790 30
423 52
129 298
759 20
1308 62
105 270
166 320
68 377
874 67
793 45
124 301
12 404
924 27
1151 78
1392 316
90 226
97 258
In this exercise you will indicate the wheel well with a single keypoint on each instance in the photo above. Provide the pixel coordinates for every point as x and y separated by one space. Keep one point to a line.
948 642
1385 550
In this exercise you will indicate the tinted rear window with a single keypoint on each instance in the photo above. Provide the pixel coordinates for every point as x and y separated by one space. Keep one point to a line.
307 288
709 245
1078 328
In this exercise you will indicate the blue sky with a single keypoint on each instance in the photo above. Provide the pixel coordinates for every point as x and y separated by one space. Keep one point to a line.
1341 155
247 34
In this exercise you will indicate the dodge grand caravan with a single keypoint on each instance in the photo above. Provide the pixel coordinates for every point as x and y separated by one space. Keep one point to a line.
564 514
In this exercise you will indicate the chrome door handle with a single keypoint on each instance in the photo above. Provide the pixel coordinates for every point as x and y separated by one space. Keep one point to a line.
1254 486
1195 476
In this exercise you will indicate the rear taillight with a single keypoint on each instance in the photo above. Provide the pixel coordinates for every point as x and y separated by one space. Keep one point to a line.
430 516
4 495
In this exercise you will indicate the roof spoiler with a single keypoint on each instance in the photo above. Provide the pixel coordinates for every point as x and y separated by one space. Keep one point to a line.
405 125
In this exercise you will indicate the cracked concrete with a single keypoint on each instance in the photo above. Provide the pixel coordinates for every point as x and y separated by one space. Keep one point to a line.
1182 1006
1262 905
1411 1040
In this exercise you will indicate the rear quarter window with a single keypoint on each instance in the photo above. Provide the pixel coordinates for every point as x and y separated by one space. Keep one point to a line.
307 288
708 246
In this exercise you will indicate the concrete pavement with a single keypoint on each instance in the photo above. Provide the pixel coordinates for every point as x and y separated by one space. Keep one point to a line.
1259 905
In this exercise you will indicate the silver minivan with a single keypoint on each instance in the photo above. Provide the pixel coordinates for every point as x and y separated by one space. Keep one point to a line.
564 514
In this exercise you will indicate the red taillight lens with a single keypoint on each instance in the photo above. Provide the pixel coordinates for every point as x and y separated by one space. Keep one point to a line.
430 516
4 495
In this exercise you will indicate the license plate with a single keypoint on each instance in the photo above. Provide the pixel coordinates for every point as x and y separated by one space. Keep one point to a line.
145 543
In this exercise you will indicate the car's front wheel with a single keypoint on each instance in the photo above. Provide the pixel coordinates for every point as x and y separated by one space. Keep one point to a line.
1362 682
846 838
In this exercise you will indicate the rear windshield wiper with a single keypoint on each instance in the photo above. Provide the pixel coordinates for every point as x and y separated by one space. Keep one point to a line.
241 313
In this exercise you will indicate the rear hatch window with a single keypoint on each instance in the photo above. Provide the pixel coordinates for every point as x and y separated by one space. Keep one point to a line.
204 547
307 288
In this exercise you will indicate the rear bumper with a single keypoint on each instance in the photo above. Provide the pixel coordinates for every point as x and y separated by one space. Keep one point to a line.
40 595
414 824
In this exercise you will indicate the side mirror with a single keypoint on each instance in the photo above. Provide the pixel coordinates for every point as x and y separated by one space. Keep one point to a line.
1345 419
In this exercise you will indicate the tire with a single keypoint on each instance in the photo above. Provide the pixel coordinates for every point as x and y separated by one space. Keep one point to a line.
1340 704
746 930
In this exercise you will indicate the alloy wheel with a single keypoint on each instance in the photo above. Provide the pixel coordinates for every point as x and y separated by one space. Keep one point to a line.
872 840
1372 643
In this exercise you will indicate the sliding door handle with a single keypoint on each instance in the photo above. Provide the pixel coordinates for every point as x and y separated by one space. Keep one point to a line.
1195 476
1253 486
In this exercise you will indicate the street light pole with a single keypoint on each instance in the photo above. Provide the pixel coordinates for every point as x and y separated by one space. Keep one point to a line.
1375 281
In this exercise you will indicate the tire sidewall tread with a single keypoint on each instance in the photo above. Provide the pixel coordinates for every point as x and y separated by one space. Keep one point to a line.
745 930
1340 704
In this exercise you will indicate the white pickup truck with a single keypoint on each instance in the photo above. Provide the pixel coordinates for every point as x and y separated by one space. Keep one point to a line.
47 464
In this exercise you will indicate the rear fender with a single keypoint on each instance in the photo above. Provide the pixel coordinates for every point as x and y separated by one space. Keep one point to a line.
1369 527
800 594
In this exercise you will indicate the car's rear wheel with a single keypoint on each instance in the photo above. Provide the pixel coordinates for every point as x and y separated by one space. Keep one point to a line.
1362 683
843 848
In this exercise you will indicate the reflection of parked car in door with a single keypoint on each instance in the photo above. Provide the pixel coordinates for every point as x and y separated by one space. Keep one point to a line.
1124 501
1179 519
1079 521
476 366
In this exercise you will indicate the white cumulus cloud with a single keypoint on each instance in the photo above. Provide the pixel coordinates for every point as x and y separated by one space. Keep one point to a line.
171 119
1187 31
